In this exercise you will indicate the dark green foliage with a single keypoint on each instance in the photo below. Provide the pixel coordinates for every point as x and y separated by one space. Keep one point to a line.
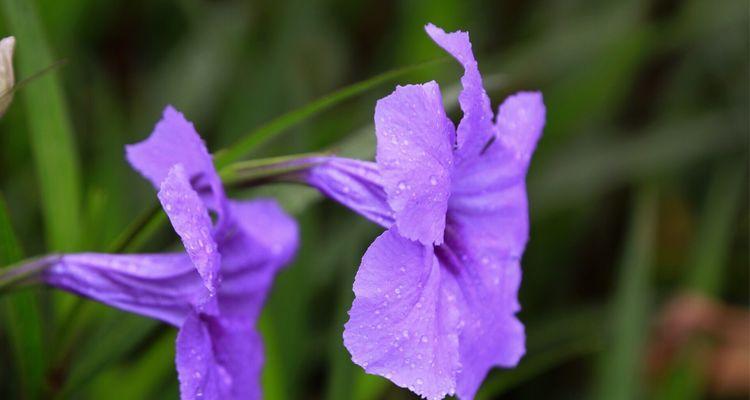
638 189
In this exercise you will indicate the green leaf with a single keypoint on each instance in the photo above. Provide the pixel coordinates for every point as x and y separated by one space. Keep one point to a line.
21 318
50 128
708 260
620 366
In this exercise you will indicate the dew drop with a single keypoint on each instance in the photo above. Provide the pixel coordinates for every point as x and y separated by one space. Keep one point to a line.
433 180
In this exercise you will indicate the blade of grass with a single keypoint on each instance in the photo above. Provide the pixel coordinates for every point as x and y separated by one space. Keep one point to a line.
708 261
620 364
146 374
50 129
273 371
22 318
711 248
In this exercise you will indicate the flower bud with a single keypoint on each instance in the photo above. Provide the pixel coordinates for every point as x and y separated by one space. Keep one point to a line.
7 80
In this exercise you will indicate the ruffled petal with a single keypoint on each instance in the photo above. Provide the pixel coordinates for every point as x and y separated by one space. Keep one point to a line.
160 286
263 240
415 157
218 359
519 124
354 184
488 199
475 128
488 227
403 323
491 335
191 221
175 141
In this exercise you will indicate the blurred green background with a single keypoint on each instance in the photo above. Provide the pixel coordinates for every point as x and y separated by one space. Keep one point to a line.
638 188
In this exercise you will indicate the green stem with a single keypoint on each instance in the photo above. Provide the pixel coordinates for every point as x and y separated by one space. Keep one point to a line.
256 172
21 272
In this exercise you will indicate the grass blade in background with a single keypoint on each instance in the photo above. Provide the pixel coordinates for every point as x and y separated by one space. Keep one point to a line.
21 319
621 364
708 265
50 128
711 246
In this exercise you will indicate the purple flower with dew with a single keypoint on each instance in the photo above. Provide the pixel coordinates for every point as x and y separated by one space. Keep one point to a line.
437 293
214 290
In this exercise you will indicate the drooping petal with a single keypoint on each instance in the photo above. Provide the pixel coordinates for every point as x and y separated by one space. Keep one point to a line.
488 221
263 240
218 359
475 128
415 157
491 335
355 184
175 141
403 323
161 286
190 219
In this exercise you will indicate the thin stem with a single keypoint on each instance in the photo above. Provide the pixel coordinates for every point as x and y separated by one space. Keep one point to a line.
276 169
25 270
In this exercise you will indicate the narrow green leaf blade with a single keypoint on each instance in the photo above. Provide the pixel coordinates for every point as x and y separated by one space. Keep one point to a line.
620 364
50 128
21 318
718 222
707 268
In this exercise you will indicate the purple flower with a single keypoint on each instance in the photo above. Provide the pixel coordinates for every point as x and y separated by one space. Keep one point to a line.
437 293
214 290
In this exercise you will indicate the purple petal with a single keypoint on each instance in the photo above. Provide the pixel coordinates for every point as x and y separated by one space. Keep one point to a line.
415 157
403 323
488 198
159 286
520 121
355 184
173 141
475 128
491 335
218 359
191 221
264 239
